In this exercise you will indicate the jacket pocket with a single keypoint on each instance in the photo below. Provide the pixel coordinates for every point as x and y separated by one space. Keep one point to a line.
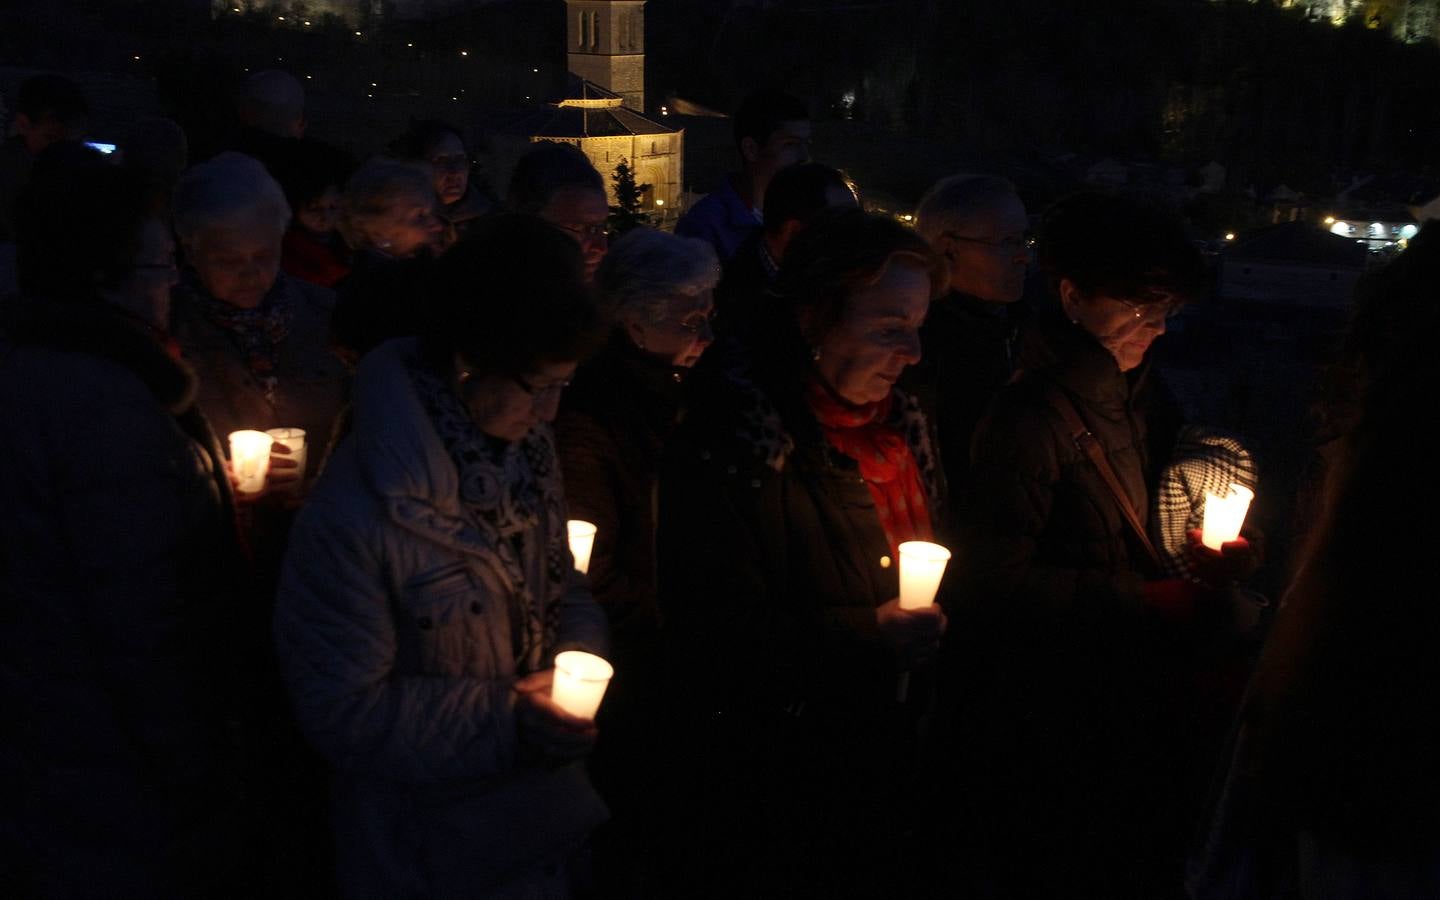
434 614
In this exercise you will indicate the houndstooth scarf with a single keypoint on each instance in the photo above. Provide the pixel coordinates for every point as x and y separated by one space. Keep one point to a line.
1203 460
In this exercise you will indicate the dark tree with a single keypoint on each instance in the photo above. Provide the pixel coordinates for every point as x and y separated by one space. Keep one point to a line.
625 215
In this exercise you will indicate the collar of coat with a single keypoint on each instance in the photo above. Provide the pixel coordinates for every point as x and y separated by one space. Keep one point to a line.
754 430
1062 352
101 330
404 460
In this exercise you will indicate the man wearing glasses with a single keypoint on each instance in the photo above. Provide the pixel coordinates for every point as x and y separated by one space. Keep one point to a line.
978 224
558 183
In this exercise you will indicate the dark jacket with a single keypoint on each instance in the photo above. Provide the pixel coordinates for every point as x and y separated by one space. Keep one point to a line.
772 562
117 558
381 299
742 293
611 431
1063 682
970 350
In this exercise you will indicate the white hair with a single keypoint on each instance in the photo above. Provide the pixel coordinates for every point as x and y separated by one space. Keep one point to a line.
228 188
646 269
954 202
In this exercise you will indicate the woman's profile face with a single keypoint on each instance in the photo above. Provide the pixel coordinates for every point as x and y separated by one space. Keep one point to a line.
878 335
1122 326
238 261
507 407
682 336
409 226
449 168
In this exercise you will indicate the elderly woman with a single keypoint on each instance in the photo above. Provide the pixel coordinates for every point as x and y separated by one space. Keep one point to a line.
612 430
390 221
1075 702
429 586
440 148
258 338
117 763
797 471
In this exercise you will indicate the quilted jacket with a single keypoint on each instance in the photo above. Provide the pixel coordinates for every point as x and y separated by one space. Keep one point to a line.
393 627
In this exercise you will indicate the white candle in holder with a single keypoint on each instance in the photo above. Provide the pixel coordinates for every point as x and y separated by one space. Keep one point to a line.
922 565
580 682
1224 516
292 439
582 542
250 458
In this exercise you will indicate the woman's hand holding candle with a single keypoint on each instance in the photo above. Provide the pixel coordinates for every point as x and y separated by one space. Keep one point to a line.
1234 562
913 634
545 726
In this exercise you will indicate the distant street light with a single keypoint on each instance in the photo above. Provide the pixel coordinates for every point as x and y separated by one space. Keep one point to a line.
1229 235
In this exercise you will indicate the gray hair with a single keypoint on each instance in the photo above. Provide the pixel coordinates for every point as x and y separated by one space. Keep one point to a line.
229 187
372 192
646 268
953 203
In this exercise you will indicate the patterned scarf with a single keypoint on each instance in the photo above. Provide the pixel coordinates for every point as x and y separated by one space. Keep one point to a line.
512 494
887 465
257 333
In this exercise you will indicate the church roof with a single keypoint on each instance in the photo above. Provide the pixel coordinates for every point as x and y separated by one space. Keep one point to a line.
586 110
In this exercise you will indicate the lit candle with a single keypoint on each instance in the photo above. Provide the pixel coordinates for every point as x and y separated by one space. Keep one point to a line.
922 564
1225 515
582 541
250 458
292 439
580 682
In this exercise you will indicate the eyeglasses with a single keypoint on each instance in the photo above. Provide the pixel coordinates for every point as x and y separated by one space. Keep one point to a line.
586 232
1154 311
547 392
696 320
1010 245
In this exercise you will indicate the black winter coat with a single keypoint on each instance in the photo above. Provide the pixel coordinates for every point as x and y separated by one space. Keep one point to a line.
772 562
1066 687
970 350
117 562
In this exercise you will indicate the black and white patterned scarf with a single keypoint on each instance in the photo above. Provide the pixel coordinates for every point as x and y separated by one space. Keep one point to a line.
1203 460
513 494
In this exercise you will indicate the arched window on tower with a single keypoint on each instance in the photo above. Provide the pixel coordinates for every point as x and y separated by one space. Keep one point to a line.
584 30
594 31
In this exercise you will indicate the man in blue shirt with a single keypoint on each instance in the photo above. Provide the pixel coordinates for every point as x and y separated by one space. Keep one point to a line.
772 131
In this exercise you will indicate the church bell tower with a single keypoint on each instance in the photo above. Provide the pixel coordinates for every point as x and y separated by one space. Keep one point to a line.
606 45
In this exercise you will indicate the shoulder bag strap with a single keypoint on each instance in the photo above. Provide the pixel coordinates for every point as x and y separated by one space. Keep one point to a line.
1087 443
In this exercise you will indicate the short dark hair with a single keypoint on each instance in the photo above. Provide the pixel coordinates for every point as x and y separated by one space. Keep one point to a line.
78 224
797 193
307 168
544 170
842 250
51 96
421 137
511 293
1119 246
763 112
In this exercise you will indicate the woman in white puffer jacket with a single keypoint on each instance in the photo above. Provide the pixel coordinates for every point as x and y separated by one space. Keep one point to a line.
429 585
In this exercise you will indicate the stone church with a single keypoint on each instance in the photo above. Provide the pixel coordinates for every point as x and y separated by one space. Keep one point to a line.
603 110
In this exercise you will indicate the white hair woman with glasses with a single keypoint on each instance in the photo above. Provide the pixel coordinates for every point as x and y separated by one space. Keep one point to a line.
612 429
257 337
429 585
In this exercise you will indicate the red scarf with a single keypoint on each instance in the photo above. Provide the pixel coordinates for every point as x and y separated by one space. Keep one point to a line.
886 463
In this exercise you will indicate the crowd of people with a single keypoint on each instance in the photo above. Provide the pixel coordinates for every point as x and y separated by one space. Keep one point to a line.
341 684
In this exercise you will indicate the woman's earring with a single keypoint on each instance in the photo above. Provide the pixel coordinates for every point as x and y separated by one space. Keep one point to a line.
814 354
